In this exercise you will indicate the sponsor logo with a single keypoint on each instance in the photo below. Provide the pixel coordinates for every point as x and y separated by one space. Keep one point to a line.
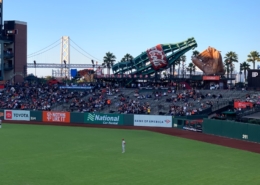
8 115
56 116
106 119
167 121
91 117
254 74
148 121
21 115
33 118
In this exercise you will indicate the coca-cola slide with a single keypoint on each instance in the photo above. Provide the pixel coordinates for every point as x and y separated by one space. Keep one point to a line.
157 58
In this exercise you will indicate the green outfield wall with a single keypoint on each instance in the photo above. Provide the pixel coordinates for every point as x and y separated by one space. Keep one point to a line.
232 129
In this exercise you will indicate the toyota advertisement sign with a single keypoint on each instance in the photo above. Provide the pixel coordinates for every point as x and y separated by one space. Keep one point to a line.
20 115
153 121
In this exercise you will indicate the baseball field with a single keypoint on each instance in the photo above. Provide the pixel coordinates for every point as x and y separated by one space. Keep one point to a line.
56 155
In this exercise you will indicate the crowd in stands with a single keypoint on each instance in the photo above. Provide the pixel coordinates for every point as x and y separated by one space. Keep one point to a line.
36 96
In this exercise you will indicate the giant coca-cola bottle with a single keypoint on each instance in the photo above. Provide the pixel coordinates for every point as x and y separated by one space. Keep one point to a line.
155 59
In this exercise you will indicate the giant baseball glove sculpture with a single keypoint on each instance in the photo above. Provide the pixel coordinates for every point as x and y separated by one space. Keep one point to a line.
210 62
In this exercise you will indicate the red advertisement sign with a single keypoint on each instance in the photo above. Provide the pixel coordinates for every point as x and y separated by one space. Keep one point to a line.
157 57
56 116
211 77
242 105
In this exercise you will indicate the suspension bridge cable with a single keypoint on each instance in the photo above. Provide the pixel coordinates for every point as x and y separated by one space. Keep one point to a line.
80 52
85 51
42 49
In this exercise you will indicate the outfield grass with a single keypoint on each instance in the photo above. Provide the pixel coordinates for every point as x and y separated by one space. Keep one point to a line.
53 155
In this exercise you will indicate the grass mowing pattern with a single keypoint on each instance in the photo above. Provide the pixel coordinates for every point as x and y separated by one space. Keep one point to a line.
52 155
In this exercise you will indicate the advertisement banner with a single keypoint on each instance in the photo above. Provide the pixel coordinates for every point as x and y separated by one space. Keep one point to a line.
211 78
242 105
152 121
157 57
76 87
110 119
62 117
19 115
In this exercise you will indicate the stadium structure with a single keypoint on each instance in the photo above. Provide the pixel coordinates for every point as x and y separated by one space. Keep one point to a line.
13 48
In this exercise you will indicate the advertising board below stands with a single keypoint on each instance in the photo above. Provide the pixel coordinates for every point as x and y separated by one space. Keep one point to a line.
77 87
153 121
18 115
242 105
211 77
58 117
110 119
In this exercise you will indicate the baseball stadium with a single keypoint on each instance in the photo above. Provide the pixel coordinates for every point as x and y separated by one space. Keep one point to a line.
150 119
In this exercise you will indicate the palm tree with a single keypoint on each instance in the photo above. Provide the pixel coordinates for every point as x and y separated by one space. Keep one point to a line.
244 67
183 60
109 60
127 57
191 68
253 57
230 57
227 66
195 53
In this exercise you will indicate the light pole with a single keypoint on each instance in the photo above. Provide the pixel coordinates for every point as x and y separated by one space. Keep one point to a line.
183 69
65 71
34 67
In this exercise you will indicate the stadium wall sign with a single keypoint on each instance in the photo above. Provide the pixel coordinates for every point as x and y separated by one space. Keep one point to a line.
19 115
211 77
76 87
96 118
63 117
153 121
238 104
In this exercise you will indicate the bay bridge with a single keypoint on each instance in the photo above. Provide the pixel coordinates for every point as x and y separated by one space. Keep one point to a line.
64 66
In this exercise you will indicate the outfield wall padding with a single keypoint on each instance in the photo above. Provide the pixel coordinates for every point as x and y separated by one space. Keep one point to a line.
129 119
76 117
36 115
232 129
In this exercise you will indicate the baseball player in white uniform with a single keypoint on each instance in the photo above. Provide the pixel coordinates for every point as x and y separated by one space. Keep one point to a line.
123 146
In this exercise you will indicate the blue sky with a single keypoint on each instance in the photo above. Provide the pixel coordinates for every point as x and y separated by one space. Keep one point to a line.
121 27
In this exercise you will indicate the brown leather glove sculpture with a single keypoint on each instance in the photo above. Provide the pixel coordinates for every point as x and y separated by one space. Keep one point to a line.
210 62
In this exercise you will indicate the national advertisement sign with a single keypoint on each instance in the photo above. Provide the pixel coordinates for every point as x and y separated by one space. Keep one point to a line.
152 121
60 117
97 118
19 115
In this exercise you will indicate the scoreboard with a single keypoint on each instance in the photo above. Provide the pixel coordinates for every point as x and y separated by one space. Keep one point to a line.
253 78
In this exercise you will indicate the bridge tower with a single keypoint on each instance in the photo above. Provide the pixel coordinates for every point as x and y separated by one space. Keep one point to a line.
65 57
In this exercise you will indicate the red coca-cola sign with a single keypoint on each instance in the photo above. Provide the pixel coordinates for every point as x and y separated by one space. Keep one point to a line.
157 57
